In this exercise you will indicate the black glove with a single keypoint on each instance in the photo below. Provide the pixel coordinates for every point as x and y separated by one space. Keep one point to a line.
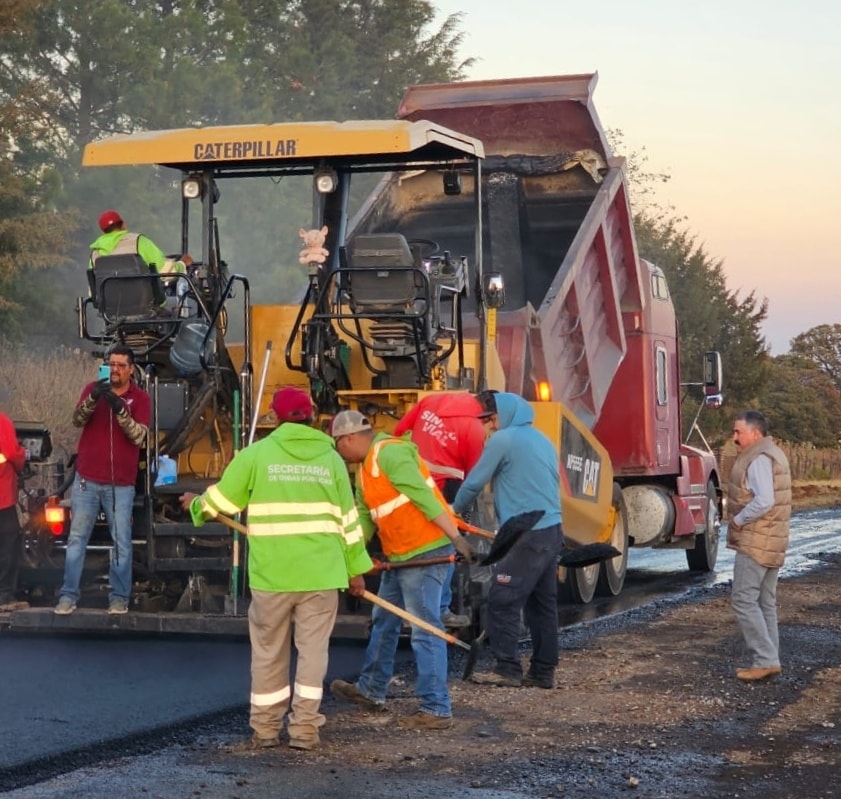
100 387
114 401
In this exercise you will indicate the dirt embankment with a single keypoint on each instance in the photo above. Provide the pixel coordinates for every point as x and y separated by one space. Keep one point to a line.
806 495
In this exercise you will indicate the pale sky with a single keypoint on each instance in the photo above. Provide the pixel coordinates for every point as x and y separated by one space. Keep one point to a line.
738 101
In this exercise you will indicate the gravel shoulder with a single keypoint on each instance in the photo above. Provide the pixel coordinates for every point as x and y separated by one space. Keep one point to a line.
651 705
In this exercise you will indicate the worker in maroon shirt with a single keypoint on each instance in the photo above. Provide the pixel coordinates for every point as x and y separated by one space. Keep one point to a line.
449 436
12 461
114 416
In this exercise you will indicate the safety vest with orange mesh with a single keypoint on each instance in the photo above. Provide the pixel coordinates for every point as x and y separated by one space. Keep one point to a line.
403 529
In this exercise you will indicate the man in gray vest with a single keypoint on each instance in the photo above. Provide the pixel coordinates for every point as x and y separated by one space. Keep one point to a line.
759 504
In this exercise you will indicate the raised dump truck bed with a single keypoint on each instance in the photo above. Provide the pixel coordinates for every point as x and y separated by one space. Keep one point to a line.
556 226
583 314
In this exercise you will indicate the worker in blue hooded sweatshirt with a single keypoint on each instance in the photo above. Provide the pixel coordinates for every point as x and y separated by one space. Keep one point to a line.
521 465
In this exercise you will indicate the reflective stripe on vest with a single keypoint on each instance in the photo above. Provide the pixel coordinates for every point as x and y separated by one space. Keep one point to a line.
127 245
450 471
403 528
387 508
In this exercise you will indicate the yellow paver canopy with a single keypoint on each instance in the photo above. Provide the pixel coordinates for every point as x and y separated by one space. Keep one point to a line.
244 146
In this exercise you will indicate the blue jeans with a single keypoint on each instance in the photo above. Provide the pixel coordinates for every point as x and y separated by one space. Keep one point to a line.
418 590
86 500
447 590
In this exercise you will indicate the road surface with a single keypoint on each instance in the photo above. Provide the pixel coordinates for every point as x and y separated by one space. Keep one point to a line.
63 698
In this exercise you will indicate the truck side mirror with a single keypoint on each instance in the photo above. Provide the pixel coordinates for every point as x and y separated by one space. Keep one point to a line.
713 376
493 288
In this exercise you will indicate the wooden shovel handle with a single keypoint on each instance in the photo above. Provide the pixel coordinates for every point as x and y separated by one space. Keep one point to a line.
374 599
412 619
469 528
388 565
462 525
231 523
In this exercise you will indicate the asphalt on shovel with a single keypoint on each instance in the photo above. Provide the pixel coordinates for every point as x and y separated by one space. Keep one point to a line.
508 535
513 529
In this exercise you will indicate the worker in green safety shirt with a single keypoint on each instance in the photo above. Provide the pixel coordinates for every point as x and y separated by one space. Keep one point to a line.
305 541
117 240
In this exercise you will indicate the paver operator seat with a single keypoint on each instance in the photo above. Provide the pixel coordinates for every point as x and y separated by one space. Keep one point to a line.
388 285
124 287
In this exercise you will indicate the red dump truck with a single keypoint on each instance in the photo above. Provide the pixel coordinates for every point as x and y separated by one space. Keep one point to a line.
585 317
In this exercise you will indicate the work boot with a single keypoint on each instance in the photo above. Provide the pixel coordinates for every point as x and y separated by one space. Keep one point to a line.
454 620
426 721
307 744
755 673
348 692
65 606
532 681
496 679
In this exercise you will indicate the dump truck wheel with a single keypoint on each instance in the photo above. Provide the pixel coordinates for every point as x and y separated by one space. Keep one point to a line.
702 557
579 584
612 572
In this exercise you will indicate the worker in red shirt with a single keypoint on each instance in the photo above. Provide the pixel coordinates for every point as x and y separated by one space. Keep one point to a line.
12 461
114 416
449 436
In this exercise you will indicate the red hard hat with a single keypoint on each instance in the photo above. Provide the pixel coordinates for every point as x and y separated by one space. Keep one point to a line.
291 404
109 219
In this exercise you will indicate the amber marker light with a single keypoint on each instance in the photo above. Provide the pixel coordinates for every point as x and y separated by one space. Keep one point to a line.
54 516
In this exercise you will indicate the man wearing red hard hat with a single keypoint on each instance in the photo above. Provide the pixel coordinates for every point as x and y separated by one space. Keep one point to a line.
116 240
304 542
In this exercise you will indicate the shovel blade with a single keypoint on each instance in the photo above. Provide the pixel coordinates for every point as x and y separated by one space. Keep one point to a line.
509 534
587 555
473 656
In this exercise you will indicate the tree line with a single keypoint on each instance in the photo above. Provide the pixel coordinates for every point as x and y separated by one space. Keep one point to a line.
72 71
799 392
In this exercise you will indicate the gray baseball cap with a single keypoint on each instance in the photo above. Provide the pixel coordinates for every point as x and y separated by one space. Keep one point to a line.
347 422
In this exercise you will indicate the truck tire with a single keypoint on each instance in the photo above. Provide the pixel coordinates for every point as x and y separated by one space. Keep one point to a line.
579 584
612 572
702 557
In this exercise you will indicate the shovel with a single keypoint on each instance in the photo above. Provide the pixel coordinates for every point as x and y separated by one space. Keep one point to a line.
472 649
587 555
509 534
387 566
513 529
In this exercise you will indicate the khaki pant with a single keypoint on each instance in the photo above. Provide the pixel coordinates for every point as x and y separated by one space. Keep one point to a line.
271 620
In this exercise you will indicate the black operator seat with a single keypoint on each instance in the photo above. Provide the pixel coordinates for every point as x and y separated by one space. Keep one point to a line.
383 277
125 287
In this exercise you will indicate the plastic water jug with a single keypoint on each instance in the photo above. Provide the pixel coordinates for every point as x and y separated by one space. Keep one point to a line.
185 354
167 471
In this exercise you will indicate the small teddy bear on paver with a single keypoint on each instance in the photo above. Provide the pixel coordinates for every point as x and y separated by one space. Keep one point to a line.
313 252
